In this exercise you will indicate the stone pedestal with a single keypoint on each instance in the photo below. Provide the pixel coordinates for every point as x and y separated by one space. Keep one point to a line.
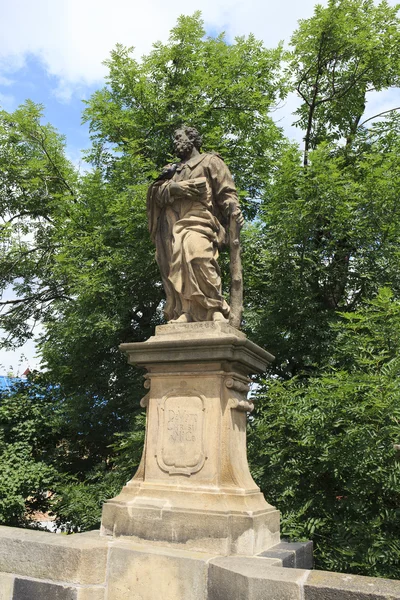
193 488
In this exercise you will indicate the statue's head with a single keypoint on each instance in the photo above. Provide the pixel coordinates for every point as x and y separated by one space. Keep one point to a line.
185 139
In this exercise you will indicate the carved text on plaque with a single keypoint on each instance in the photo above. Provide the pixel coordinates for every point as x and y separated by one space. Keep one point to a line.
180 448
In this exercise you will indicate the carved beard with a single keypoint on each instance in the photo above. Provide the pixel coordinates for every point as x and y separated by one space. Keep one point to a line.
183 148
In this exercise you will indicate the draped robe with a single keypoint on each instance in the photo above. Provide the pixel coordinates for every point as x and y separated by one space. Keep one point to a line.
187 233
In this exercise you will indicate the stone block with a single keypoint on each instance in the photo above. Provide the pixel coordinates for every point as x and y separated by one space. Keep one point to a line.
253 578
287 557
322 585
6 586
79 558
303 552
292 554
136 573
210 531
91 593
225 585
28 589
198 342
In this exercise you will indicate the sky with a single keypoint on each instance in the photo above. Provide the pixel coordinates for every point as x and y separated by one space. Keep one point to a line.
51 51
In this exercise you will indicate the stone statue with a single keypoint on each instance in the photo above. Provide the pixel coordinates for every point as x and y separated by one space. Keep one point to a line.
193 208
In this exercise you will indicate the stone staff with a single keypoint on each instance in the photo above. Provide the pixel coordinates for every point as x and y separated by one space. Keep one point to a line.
236 296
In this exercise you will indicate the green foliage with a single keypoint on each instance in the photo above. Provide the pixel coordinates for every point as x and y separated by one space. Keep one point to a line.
56 458
77 503
329 224
321 241
339 55
328 233
37 184
323 447
226 90
28 434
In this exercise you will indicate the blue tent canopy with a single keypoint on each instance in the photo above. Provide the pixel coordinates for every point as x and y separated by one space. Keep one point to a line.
6 383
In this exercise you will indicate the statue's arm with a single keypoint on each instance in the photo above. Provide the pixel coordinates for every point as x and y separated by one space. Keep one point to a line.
224 189
157 197
160 193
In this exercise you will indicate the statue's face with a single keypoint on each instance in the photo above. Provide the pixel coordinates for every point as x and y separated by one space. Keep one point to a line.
183 146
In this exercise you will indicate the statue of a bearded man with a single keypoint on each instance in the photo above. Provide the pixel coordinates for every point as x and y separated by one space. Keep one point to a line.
189 208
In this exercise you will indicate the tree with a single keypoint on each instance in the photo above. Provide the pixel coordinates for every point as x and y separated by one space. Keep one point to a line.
98 284
50 463
340 55
329 234
37 184
49 248
329 223
321 444
29 427
323 447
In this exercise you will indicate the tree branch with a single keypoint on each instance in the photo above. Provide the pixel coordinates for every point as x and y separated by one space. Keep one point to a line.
39 297
42 144
379 115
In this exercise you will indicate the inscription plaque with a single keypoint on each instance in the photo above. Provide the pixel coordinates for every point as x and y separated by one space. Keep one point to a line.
180 448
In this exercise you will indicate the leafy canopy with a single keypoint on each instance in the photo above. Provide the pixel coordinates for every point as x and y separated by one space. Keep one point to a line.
321 241
322 448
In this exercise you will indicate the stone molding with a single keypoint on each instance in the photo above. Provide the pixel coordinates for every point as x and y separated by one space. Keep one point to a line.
46 566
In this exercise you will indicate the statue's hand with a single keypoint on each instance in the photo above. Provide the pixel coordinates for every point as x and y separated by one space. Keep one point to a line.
238 216
185 189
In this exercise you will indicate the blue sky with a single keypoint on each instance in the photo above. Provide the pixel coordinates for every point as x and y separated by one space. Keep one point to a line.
33 81
51 51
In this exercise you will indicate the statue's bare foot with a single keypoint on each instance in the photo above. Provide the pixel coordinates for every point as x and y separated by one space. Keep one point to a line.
218 316
184 318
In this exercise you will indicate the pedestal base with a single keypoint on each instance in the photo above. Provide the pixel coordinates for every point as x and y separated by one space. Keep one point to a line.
193 488
204 522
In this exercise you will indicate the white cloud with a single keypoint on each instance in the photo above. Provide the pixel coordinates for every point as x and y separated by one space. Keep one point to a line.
73 37
6 81
7 102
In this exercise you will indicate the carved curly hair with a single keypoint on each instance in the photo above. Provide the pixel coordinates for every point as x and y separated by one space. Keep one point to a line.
193 135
